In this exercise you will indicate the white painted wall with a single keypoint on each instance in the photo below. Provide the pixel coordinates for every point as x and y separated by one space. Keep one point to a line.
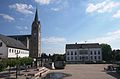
84 55
12 53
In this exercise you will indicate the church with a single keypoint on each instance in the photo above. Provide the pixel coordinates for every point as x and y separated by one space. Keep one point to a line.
33 41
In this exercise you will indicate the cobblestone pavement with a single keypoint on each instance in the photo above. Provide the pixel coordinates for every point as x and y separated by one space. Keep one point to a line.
87 71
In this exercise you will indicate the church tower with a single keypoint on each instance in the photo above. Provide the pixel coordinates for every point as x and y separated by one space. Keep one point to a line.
35 40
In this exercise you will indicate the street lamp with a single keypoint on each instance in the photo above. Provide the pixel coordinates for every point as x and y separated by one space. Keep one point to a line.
34 60
17 64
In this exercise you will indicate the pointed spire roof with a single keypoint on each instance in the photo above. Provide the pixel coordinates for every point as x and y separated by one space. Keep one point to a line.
36 16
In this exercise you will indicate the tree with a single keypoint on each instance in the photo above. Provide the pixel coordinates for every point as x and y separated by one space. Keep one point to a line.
11 62
116 55
44 55
106 52
26 61
3 65
117 58
58 57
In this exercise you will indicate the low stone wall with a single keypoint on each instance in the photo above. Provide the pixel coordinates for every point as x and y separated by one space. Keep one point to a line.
37 73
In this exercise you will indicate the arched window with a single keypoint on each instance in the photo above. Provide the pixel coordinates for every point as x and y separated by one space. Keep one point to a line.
0 44
71 52
75 53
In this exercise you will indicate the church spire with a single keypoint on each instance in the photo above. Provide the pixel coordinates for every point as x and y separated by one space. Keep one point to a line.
36 16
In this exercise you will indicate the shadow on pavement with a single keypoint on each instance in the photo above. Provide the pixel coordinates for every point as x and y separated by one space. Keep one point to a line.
56 75
5 74
114 74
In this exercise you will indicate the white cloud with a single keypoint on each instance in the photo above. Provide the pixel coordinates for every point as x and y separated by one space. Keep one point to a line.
7 17
91 8
55 9
26 28
105 6
22 30
117 14
110 38
44 2
19 27
22 8
54 40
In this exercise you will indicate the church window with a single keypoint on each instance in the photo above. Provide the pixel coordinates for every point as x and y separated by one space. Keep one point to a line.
0 44
10 50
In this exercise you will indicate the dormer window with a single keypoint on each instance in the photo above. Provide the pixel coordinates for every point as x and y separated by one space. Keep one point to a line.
0 44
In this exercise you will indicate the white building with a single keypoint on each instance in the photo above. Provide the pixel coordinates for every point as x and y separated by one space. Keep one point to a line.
10 48
83 52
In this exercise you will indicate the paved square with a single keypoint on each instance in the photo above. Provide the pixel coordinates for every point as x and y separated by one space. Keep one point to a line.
88 71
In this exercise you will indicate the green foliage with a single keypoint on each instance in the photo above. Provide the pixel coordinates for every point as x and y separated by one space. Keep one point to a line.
116 55
3 65
106 52
117 58
13 62
58 57
27 60
43 55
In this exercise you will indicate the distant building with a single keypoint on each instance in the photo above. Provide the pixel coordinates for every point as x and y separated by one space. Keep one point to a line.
83 52
9 48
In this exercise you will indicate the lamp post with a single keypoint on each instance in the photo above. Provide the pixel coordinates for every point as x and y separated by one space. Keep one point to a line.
34 62
17 65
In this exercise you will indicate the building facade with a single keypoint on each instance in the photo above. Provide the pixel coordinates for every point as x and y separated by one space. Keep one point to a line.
11 48
89 52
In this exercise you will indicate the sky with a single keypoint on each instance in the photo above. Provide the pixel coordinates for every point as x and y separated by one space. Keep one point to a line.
63 21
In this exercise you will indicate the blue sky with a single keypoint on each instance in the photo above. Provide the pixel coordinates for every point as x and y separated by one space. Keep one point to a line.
64 21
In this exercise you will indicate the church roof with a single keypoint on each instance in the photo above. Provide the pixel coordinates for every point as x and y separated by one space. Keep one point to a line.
10 42
36 16
82 46
14 36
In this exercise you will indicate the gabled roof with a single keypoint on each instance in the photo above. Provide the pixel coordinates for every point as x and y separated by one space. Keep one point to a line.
82 46
10 42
